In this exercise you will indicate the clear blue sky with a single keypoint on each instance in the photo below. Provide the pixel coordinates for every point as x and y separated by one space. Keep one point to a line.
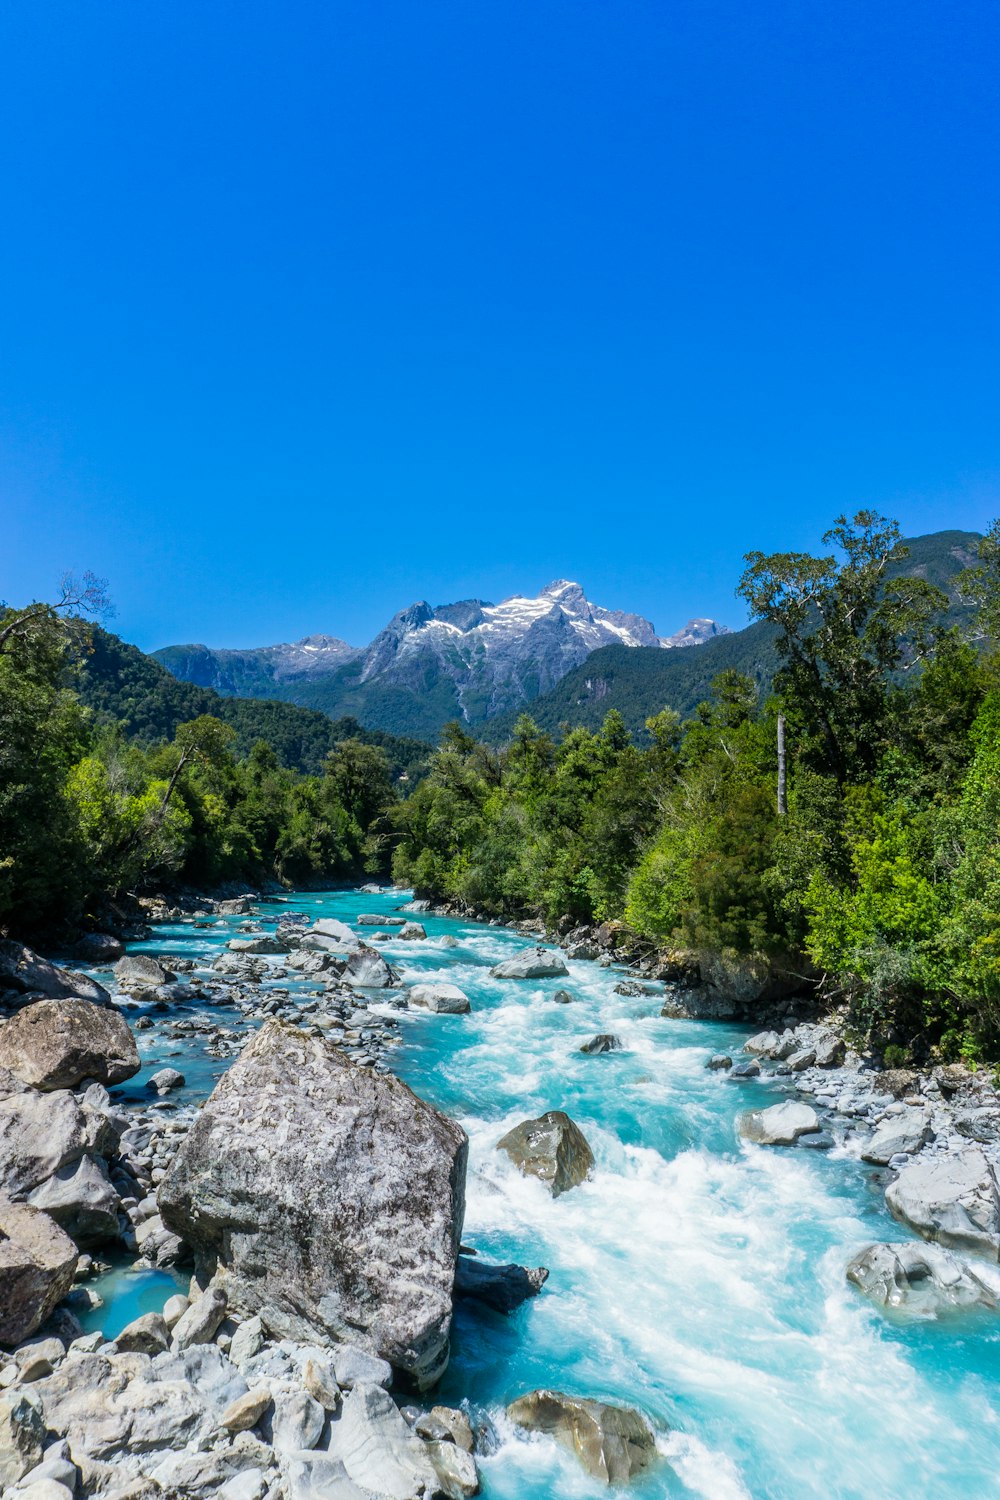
309 309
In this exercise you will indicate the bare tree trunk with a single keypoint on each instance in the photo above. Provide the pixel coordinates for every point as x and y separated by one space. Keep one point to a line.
782 769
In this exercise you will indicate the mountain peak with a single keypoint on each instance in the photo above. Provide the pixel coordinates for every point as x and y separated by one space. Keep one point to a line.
562 589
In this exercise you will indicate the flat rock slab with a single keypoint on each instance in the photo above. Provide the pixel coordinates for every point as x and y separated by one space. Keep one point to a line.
552 1148
612 1442
952 1199
780 1125
924 1280
327 1198
55 1044
533 963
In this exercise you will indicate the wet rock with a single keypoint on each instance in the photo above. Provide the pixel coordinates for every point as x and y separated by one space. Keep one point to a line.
631 988
563 997
745 1070
22 1434
377 1449
165 1080
373 919
551 1148
898 1135
605 1041
719 1062
780 1125
328 1197
367 970
412 932
446 999
55 1044
951 1199
37 1265
446 1424
925 1280
456 1470
532 963
612 1442
26 973
263 944
503 1288
334 931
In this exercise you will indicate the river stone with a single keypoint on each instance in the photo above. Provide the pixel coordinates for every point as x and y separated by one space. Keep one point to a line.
412 932
138 971
265 944
37 1264
22 1434
458 1477
612 1442
923 1279
551 1148
367 970
764 1044
378 1450
446 999
563 997
898 1135
147 1334
81 1200
373 919
328 1197
200 1322
39 1133
296 1423
446 1424
99 948
605 1041
719 1062
24 971
503 1288
55 1044
830 1051
334 931
952 1199
533 963
246 1411
780 1125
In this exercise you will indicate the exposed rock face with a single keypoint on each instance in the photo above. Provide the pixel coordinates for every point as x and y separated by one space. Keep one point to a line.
952 1199
923 1279
446 999
503 1288
55 1044
781 1125
22 970
551 1148
367 970
612 1442
37 1262
326 1197
533 963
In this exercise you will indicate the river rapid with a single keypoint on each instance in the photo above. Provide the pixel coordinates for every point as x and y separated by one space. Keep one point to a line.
694 1276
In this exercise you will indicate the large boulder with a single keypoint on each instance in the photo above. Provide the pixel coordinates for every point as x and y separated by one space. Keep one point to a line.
898 1135
503 1288
82 1201
551 1148
952 1199
46 1146
445 999
327 1198
263 943
612 1442
367 970
925 1280
37 1263
137 972
24 971
333 931
533 963
379 1452
99 948
781 1125
55 1044
372 919
22 1435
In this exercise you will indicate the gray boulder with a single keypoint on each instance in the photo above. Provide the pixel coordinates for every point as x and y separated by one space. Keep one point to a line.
22 1435
551 1148
952 1199
82 1201
326 1197
373 919
925 1280
763 1044
412 932
137 972
37 1265
504 1288
334 931
367 970
533 963
898 1135
780 1125
612 1442
264 944
165 1080
445 999
605 1041
27 973
830 1051
379 1452
99 948
55 1044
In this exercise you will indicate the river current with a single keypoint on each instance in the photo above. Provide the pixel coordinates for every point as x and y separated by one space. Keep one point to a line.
695 1277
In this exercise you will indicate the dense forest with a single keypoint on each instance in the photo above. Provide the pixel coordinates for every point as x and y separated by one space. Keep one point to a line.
874 868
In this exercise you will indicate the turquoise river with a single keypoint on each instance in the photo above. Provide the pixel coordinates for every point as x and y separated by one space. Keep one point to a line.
693 1276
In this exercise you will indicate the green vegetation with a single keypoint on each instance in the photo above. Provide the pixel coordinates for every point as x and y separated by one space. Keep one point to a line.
116 777
881 874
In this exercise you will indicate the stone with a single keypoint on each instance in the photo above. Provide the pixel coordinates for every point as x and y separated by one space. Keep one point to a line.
165 1080
319 1381
780 1125
22 1434
456 1470
746 1070
563 997
605 1041
316 1476
412 932
719 1062
898 1082
551 1148
898 1135
631 988
830 1052
25 972
99 948
327 1197
533 963
82 1201
148 1334
797 1062
37 1265
503 1288
38 1357
137 972
379 1452
444 999
264 944
297 1422
200 1323
951 1199
373 919
446 1424
339 932
764 1044
246 1411
353 1366
248 1341
922 1279
367 970
612 1442
55 1044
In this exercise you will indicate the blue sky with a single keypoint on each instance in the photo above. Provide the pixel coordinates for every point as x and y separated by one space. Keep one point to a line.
308 310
